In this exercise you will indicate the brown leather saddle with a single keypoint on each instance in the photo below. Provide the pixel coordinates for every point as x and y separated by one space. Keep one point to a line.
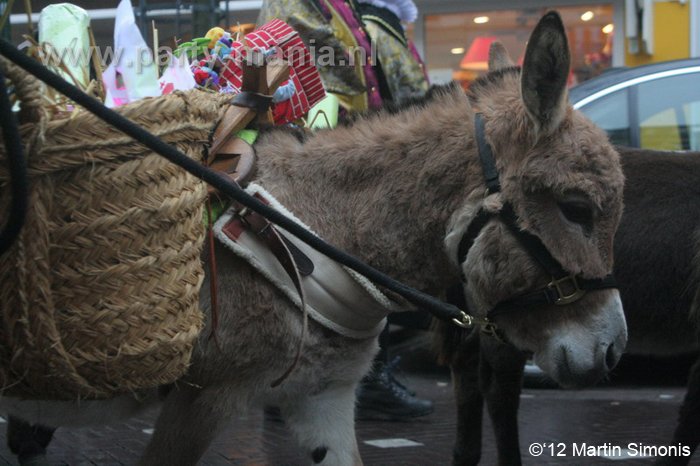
232 155
236 159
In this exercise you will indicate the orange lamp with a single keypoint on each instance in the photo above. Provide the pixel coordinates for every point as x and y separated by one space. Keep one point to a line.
477 57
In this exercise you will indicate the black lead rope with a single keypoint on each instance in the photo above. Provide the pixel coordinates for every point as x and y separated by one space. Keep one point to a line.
17 168
436 307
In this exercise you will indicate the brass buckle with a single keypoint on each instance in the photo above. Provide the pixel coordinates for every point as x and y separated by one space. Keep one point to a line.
490 330
242 214
468 321
567 299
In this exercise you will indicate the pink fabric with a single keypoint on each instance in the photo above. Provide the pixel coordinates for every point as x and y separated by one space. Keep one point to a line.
374 99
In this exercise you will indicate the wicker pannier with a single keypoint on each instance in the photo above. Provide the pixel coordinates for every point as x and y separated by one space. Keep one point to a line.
99 295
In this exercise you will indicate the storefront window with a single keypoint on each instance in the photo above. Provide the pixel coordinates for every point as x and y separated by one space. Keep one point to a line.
456 44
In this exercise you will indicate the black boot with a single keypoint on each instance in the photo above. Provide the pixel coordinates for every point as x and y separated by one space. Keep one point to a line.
381 397
28 441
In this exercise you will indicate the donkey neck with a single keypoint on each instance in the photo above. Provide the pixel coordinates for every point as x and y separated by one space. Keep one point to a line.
383 188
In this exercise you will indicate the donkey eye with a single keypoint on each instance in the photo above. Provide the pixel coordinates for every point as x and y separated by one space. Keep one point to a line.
577 211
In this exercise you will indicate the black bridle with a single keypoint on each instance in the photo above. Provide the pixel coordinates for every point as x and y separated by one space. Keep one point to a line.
564 288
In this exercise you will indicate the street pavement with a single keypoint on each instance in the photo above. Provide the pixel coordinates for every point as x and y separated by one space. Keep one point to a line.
618 414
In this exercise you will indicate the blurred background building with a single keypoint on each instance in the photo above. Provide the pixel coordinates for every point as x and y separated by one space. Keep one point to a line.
452 35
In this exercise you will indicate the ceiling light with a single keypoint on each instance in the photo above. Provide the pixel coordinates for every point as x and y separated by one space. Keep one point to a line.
587 16
481 19
457 50
608 28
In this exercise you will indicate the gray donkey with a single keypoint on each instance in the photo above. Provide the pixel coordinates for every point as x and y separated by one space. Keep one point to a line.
657 265
397 189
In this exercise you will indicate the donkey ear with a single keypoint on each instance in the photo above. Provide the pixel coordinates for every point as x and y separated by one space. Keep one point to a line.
546 72
498 57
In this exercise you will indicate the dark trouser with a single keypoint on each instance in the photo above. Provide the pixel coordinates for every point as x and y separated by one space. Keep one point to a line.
409 319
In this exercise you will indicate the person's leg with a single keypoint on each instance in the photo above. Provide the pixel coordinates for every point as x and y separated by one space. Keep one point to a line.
28 441
381 396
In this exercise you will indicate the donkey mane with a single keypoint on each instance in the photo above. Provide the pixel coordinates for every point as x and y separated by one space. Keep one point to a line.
489 80
368 173
412 104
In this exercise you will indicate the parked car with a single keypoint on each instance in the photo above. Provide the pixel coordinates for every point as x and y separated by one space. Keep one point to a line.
653 106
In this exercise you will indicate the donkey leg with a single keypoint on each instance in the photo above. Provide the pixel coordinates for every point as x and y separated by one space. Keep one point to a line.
190 419
324 425
687 431
28 441
470 402
501 374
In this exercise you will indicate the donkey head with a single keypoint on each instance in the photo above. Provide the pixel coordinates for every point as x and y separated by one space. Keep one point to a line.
562 183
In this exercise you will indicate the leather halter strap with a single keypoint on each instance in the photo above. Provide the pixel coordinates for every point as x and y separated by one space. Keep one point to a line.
482 218
565 287
488 161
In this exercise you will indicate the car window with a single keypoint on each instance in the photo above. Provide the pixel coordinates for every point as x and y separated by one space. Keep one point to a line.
612 114
669 113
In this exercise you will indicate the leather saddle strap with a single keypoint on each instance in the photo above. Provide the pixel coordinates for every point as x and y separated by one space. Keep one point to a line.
259 103
279 247
272 239
291 257
293 272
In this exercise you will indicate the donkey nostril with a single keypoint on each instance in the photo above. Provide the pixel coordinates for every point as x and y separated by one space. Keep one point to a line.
610 357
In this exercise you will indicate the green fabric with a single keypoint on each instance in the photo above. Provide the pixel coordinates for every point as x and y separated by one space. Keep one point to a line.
248 135
218 207
196 47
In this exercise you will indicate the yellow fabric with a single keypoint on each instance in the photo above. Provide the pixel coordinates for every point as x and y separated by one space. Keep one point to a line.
324 114
404 73
359 101
214 35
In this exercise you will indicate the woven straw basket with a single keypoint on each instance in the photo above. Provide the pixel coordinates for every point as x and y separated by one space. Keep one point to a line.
99 295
